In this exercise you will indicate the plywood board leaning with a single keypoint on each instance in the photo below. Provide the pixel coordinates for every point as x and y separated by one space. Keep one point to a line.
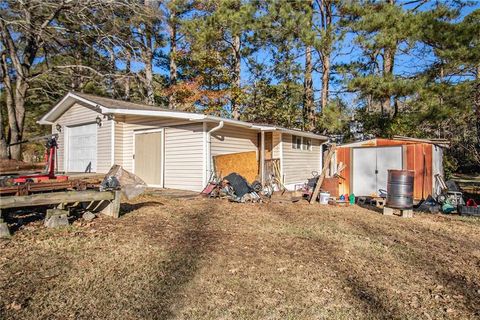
243 163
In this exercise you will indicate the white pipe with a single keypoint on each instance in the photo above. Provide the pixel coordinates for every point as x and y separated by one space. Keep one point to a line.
262 157
208 159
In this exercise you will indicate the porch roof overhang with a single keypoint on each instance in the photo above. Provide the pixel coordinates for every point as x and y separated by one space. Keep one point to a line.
149 111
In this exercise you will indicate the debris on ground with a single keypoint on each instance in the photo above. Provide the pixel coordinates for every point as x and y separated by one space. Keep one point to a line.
236 188
118 178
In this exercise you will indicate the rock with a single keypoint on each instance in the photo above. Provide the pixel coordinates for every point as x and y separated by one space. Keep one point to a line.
4 232
56 221
15 306
88 216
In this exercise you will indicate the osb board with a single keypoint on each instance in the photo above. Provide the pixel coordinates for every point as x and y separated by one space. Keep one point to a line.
243 163
331 185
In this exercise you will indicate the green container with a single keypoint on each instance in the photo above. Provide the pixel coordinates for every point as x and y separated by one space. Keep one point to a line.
352 198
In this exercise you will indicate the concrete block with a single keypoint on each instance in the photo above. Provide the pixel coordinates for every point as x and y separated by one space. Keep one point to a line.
4 232
56 218
407 213
56 212
388 211
56 221
88 216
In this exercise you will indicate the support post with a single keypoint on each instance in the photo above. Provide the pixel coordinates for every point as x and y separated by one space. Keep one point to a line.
4 231
113 208
326 165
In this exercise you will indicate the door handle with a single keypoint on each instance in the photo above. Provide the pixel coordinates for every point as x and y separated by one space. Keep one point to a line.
376 171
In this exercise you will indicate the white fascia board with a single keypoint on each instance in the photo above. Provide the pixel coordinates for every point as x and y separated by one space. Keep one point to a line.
60 107
231 121
159 113
43 120
303 134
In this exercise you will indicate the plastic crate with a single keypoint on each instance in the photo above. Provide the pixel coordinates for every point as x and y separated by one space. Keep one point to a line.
469 211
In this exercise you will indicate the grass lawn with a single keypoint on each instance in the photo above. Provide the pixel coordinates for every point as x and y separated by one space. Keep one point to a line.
210 259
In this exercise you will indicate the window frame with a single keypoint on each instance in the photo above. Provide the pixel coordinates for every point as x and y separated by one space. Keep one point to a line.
299 143
305 146
296 142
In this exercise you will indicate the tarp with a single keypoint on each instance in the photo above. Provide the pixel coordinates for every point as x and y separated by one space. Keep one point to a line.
118 178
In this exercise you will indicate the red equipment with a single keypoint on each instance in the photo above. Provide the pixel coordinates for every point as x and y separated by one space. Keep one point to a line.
50 161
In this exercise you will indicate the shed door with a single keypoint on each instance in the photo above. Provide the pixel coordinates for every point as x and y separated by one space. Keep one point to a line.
370 168
387 158
82 148
148 157
364 166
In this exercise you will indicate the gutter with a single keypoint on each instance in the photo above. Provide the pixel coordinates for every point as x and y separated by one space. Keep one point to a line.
208 154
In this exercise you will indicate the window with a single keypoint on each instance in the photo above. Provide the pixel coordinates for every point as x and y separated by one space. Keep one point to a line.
307 144
296 142
300 143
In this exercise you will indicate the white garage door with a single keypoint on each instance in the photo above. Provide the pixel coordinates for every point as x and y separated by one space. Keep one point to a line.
82 148
370 168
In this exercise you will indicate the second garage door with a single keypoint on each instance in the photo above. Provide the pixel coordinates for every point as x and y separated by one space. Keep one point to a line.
82 148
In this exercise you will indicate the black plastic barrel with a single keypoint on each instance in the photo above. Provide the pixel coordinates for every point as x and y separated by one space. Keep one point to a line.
400 189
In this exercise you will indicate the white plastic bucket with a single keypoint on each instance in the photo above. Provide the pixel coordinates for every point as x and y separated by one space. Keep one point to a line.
324 196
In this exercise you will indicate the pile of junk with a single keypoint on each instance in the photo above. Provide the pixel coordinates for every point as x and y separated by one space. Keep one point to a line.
450 199
236 188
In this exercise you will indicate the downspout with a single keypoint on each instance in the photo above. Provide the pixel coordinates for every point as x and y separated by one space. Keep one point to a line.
208 159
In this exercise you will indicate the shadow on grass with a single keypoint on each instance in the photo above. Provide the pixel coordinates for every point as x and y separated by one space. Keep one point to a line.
361 290
432 261
129 207
182 263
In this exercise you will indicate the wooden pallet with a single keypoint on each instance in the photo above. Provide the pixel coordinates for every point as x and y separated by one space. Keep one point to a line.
379 202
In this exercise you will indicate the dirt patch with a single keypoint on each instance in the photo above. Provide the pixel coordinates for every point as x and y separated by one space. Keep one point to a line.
191 258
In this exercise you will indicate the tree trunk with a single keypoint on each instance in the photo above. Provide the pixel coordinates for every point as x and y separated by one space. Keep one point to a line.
325 80
150 98
3 140
308 103
476 103
173 56
388 56
326 14
17 118
236 78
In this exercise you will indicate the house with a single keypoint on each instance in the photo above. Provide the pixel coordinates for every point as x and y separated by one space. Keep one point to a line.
367 164
169 148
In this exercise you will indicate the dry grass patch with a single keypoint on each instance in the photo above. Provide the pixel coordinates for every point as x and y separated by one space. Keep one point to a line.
206 259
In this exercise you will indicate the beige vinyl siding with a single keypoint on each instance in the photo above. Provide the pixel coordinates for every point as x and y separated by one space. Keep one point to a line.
118 153
184 157
80 115
133 123
299 164
231 139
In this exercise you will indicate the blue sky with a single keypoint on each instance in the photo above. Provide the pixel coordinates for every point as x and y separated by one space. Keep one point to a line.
416 60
